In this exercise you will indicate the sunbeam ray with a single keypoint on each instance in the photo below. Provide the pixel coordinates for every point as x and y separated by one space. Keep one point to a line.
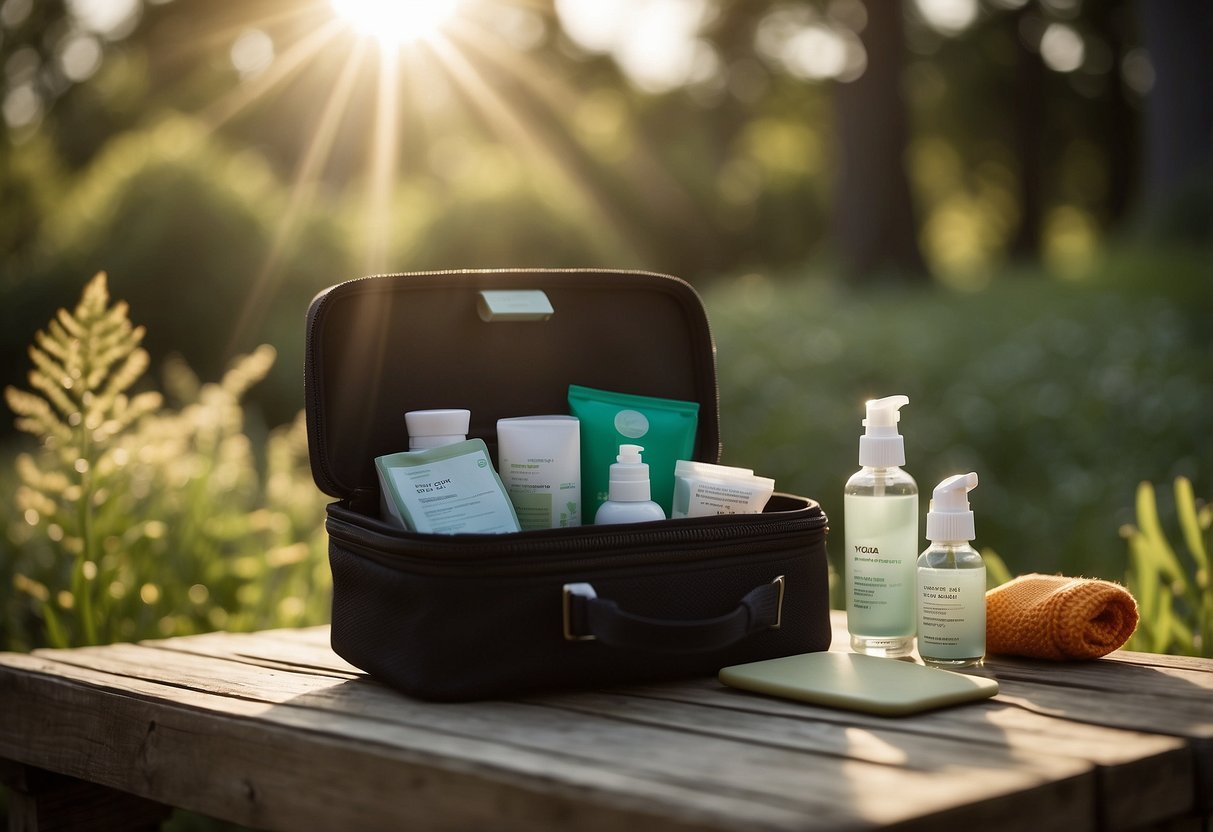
542 150
303 191
284 67
646 172
383 162
218 35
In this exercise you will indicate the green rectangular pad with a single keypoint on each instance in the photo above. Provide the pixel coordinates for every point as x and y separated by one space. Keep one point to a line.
860 683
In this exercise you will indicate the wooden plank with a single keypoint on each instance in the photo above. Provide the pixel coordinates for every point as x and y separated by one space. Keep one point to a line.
1110 676
962 752
824 789
1179 716
1182 716
276 767
265 648
1141 778
290 681
1135 691
530 728
1124 761
1193 663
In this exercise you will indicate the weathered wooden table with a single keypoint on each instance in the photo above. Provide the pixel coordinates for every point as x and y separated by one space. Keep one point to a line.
273 730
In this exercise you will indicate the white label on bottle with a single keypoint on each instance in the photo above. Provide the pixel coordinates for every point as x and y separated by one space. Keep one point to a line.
881 551
952 613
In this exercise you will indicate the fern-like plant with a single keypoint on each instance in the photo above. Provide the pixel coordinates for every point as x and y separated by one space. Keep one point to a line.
1173 592
137 519
84 364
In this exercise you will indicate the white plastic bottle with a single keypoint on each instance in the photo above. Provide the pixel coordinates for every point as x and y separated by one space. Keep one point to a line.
436 428
539 459
629 494
951 581
426 429
880 505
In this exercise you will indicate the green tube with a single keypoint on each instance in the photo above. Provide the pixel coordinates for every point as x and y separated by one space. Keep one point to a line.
665 428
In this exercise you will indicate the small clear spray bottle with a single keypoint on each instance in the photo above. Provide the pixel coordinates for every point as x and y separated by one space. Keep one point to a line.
951 581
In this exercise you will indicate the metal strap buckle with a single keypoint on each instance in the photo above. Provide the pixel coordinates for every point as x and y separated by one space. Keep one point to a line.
779 607
582 590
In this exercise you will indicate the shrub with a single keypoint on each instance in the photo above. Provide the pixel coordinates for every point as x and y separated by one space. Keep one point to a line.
1061 396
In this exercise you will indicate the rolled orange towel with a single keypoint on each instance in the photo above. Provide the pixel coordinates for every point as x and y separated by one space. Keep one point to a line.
1055 617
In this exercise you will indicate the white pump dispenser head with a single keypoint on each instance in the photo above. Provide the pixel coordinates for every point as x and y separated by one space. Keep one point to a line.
629 476
950 518
881 446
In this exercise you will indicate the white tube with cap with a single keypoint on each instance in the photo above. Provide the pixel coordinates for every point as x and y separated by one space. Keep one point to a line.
539 458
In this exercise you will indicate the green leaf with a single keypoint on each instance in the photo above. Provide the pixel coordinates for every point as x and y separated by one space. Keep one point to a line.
1185 506
1162 555
996 569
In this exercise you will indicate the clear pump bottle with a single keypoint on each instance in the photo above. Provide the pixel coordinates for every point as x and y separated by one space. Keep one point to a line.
951 581
880 505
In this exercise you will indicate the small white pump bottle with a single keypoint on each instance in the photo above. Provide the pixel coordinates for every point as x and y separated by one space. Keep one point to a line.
880 506
629 494
951 581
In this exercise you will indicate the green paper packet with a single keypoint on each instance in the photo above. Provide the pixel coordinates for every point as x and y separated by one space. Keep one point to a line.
451 489
665 428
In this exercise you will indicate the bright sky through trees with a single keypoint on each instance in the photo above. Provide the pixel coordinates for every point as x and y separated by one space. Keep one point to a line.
396 23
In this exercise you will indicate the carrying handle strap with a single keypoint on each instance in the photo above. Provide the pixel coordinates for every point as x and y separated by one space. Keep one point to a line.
588 617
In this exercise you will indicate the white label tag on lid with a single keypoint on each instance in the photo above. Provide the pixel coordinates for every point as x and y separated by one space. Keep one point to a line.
514 305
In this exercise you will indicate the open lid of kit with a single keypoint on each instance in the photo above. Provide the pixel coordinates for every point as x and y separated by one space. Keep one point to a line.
498 343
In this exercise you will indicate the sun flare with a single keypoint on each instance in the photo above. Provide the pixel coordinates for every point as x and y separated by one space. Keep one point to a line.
396 22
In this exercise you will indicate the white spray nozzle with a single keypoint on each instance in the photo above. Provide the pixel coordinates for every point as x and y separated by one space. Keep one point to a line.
950 517
629 454
881 445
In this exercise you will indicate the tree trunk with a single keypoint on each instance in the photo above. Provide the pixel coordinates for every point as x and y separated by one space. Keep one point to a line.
874 227
1179 108
1111 19
1027 102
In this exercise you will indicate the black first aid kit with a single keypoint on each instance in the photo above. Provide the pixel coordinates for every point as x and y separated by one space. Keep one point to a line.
473 616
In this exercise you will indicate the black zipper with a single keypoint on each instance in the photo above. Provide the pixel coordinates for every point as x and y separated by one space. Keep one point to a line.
576 550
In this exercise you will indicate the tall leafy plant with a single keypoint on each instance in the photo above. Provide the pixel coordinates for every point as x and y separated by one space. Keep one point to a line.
1173 591
137 519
